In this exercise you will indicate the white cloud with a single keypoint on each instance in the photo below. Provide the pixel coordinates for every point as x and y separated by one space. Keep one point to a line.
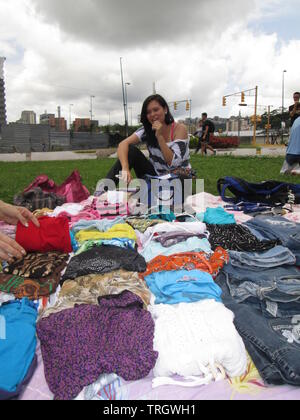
50 64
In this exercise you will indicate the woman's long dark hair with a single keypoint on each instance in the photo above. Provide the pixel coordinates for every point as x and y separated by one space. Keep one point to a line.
150 136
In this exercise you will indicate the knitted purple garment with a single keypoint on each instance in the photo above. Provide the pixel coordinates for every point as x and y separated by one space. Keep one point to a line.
80 344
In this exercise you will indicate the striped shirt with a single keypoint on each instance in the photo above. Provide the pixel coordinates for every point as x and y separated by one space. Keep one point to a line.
181 158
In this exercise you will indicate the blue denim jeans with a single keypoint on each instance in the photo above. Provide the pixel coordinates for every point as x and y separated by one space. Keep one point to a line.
273 344
276 291
278 228
275 257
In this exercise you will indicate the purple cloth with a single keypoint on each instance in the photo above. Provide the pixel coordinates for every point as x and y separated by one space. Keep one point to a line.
80 344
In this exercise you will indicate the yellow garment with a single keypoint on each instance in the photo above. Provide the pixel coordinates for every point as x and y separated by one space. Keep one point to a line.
117 231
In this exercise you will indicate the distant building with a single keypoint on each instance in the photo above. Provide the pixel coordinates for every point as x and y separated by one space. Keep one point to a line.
47 119
58 124
238 124
28 117
3 120
85 124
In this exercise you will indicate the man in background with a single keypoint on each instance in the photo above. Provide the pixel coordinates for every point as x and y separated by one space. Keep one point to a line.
208 128
295 109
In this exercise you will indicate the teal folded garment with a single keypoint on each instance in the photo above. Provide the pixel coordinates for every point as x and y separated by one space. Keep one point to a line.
218 216
17 342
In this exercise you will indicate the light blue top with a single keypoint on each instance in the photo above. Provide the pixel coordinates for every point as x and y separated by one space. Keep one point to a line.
294 144
172 287
193 244
17 342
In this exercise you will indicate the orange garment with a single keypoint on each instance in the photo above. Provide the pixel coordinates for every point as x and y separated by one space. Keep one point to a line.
189 261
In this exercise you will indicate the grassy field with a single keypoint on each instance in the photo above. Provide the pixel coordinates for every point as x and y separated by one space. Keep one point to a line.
14 177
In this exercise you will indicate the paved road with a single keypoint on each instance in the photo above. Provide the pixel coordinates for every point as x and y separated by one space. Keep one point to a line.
41 157
52 156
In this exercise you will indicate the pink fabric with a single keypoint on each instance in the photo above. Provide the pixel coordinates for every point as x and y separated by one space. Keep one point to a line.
72 189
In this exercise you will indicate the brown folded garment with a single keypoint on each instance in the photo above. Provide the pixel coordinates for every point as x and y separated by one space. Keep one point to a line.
33 288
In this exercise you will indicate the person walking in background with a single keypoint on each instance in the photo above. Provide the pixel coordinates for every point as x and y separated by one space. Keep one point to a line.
208 130
295 109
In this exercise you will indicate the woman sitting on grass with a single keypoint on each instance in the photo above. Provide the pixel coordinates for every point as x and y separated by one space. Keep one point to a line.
167 143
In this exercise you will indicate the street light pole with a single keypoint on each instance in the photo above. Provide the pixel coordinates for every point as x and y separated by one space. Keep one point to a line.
91 111
283 73
70 115
124 98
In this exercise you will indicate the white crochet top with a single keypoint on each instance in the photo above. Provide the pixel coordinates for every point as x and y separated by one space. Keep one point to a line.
196 339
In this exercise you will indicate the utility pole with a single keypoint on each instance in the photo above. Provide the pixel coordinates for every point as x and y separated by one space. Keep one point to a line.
255 116
268 129
124 99
91 111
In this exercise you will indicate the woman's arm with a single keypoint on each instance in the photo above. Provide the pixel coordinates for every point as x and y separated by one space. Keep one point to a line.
123 151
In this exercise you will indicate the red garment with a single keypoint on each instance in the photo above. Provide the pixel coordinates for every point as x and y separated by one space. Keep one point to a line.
53 235
72 189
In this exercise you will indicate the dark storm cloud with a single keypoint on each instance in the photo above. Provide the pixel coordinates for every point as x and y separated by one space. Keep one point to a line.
127 23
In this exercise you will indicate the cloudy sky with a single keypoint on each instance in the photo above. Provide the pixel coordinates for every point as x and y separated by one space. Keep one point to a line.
60 52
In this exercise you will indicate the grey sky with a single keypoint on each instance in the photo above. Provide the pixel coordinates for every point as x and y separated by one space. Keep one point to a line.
61 52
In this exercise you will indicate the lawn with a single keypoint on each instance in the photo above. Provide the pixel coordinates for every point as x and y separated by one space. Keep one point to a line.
14 177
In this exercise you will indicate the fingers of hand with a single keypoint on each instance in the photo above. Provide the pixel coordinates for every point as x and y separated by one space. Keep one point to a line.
11 248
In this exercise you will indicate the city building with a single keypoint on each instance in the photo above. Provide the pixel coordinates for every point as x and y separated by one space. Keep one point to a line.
28 117
3 120
58 124
85 124
238 124
47 119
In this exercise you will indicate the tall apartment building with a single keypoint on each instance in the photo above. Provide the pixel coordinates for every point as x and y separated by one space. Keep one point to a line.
3 120
28 117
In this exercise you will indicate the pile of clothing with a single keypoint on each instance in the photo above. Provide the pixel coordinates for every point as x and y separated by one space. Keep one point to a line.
180 297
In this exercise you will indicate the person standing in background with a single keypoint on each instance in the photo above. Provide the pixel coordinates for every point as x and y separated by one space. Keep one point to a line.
295 109
208 130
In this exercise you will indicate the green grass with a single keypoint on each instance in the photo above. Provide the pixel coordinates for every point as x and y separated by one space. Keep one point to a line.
14 177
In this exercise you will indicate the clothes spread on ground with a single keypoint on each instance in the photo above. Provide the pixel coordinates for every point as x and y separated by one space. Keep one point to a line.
36 266
71 189
36 199
52 235
114 337
117 231
189 261
154 249
272 344
194 228
218 216
122 243
172 287
36 276
100 225
196 341
104 260
5 395
280 229
275 257
86 290
171 239
238 238
17 343
142 224
273 291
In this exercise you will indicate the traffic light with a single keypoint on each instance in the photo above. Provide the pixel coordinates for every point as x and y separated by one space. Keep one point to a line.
175 106
224 100
187 106
243 97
